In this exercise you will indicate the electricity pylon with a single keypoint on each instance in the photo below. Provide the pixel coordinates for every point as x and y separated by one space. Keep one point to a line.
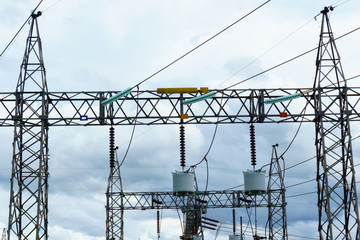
30 111
28 213
337 198
276 198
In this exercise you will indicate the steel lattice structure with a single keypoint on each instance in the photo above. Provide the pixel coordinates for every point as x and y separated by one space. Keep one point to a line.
276 198
337 198
32 109
208 199
28 214
114 203
227 107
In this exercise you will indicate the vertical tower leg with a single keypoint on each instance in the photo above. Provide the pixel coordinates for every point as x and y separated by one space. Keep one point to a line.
28 213
337 198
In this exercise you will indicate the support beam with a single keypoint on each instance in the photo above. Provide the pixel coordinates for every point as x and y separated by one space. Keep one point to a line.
227 107
208 199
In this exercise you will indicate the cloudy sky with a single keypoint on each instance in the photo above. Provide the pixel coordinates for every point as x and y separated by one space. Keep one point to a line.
91 45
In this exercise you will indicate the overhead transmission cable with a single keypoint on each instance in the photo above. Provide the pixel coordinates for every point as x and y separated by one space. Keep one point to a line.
287 61
266 52
201 44
18 32
300 183
57 2
301 194
339 3
249 78
297 164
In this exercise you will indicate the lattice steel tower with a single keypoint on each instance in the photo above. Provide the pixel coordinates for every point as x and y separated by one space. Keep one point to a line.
30 111
28 213
337 199
277 218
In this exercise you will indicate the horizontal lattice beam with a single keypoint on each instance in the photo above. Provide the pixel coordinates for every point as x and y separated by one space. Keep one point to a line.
152 108
209 199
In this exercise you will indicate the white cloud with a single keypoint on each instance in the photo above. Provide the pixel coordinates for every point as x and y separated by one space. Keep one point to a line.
59 233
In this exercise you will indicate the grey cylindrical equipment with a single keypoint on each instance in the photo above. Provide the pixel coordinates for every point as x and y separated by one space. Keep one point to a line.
234 237
254 182
183 183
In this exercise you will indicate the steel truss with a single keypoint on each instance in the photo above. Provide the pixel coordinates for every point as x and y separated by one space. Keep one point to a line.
28 213
227 107
337 198
32 109
201 199
276 199
194 205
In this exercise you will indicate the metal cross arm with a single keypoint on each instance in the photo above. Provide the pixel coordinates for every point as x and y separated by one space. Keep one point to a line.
152 108
208 199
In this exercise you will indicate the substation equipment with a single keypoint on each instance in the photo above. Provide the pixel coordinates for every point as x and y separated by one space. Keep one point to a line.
32 109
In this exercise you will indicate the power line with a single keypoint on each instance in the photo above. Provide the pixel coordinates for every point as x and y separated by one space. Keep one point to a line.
52 5
132 133
201 44
277 44
301 194
297 184
297 164
287 61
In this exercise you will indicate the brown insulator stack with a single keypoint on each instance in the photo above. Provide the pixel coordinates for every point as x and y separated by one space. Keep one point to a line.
252 145
182 146
112 147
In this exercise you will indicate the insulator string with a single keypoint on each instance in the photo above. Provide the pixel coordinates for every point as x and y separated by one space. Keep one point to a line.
112 147
252 145
182 146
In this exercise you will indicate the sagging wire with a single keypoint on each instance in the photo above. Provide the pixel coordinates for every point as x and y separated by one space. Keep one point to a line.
287 61
133 130
18 32
254 76
210 146
296 133
292 140
306 160
283 40
201 44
